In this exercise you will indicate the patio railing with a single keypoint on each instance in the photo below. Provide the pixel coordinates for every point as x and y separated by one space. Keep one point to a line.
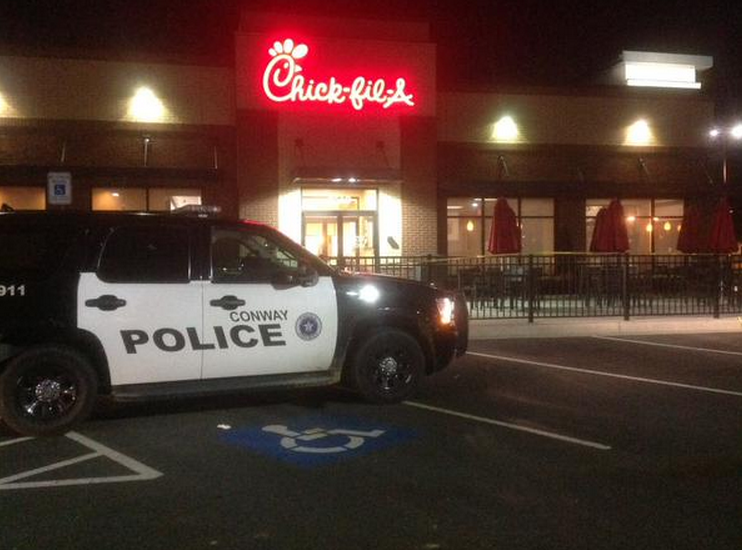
574 284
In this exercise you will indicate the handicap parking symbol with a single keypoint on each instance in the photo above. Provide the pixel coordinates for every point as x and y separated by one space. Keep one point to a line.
317 440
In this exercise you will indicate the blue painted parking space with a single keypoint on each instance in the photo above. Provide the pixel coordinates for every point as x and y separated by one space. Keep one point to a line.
318 439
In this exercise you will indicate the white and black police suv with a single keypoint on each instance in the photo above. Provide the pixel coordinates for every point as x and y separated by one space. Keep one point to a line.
160 305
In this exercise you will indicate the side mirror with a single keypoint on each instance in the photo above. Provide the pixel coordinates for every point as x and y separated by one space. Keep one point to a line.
304 275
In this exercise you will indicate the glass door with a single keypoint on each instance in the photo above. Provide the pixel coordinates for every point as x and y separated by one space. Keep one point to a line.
340 234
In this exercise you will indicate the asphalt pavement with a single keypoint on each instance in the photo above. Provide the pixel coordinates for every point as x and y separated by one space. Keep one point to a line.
601 441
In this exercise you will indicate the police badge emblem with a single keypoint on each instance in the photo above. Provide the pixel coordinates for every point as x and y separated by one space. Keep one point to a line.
308 326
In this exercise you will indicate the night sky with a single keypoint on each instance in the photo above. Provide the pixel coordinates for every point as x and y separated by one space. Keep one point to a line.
481 42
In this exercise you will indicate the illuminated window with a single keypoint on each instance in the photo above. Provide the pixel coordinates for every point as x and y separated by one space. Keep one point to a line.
167 198
652 225
23 198
155 199
131 198
535 217
4 108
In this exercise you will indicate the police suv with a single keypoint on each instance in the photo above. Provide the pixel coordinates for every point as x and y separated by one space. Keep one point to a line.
161 305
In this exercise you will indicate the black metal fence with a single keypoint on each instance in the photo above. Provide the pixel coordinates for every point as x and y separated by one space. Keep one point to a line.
576 285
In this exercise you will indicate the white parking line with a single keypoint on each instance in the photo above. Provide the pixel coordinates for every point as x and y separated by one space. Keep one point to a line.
607 374
534 431
141 472
13 441
675 346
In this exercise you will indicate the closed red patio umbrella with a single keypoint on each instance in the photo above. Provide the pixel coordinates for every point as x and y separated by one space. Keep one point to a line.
600 240
610 234
618 227
689 239
723 240
505 234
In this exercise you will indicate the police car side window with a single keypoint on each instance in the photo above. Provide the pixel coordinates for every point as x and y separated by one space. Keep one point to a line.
146 255
245 256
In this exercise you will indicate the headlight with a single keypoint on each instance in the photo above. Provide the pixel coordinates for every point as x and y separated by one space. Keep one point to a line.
445 310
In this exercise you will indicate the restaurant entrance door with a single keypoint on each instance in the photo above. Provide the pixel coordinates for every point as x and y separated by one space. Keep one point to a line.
340 234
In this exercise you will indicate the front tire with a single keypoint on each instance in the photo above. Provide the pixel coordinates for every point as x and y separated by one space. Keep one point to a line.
388 366
47 390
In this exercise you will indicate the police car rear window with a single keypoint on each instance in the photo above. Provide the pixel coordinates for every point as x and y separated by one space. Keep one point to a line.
35 252
146 255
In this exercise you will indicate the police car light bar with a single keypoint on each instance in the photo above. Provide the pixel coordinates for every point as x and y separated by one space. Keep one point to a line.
200 210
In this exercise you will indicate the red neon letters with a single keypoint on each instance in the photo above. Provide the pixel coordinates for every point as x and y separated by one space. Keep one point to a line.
282 82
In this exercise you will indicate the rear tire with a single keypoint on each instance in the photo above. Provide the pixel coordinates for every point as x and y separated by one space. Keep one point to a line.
388 366
47 390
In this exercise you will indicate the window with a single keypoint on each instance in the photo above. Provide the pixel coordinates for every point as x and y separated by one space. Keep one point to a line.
469 222
140 199
246 256
130 198
146 255
652 225
23 198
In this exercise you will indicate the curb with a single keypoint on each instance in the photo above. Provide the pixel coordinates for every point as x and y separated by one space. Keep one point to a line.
496 329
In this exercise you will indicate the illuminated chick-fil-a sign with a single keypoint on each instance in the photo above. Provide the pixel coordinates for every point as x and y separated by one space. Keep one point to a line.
283 82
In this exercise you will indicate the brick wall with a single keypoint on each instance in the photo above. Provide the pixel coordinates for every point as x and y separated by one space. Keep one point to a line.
257 166
419 186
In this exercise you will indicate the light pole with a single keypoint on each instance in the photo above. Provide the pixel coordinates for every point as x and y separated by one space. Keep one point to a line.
725 136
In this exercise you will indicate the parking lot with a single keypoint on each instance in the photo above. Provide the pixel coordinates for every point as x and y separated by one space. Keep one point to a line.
593 442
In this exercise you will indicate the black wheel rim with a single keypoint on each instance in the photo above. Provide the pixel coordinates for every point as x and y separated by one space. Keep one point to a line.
391 369
46 395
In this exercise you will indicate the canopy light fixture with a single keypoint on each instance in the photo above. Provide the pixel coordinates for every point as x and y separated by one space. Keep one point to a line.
663 70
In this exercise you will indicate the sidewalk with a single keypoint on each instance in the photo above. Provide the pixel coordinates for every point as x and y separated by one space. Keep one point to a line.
599 326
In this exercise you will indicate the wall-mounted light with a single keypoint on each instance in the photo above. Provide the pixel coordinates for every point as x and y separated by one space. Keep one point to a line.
470 226
639 133
145 106
667 226
506 130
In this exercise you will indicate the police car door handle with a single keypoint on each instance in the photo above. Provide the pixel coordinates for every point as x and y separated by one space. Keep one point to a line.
228 302
107 302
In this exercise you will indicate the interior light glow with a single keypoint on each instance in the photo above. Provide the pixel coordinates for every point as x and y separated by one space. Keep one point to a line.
639 133
145 106
282 82
352 180
506 129
336 180
736 132
649 227
3 105
115 194
454 207
470 226
714 133
661 75
631 219
667 226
